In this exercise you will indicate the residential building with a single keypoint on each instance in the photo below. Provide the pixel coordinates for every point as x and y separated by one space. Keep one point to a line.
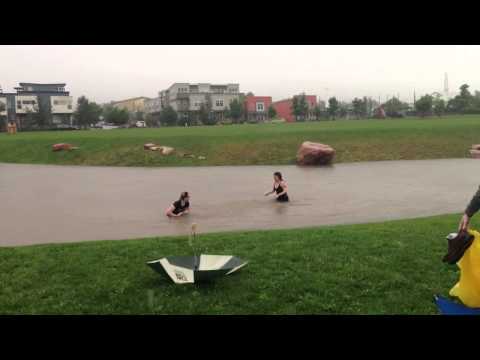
186 98
284 108
133 105
51 99
256 107
3 111
153 107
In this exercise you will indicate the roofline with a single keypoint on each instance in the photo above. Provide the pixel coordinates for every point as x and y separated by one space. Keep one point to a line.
130 99
58 84
291 98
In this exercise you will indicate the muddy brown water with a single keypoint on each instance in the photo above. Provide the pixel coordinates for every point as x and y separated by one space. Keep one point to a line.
53 204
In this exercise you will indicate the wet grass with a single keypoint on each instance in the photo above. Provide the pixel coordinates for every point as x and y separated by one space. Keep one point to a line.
263 144
382 268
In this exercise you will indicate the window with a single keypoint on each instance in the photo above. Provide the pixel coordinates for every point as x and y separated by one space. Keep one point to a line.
61 102
70 107
260 106
28 102
19 104
219 102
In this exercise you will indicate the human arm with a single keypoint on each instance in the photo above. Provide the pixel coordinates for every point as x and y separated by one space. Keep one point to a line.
471 209
170 212
270 192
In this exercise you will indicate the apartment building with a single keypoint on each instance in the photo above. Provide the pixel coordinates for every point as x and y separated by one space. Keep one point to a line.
132 105
3 112
186 98
51 99
284 108
256 107
153 106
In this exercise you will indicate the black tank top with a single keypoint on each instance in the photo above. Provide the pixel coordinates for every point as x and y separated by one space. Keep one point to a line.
179 208
278 190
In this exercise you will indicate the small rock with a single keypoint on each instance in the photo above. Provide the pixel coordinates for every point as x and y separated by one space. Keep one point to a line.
166 150
202 158
63 146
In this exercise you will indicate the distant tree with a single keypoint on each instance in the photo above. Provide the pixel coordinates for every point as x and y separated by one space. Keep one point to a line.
152 120
439 107
139 116
116 116
272 113
370 105
37 118
235 111
168 116
343 109
299 107
87 112
394 107
462 102
317 112
359 107
42 116
423 106
333 107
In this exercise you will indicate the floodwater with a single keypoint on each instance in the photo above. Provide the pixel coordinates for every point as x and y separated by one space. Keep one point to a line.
53 204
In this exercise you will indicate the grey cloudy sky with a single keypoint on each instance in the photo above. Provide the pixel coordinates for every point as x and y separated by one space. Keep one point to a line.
105 73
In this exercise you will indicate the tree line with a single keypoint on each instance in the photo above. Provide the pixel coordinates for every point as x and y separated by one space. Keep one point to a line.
88 112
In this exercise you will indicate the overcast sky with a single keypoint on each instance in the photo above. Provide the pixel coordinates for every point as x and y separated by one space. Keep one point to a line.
105 73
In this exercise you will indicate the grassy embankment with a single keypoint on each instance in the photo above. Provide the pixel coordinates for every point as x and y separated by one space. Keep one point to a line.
383 268
275 144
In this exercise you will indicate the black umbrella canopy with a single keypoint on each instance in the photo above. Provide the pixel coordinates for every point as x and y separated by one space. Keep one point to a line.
193 269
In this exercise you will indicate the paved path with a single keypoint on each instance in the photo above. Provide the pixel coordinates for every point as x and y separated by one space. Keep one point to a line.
45 204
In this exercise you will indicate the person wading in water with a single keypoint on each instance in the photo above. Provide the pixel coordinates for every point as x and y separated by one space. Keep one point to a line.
179 207
279 188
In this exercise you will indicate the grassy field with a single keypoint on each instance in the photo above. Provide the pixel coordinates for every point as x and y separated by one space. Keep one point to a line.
383 268
365 140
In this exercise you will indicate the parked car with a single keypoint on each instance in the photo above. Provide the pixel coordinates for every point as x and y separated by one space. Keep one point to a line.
141 124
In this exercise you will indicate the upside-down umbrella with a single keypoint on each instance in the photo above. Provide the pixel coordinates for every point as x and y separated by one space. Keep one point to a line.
193 269
196 268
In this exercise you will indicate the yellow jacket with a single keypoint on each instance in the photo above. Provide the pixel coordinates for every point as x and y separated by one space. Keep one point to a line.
468 287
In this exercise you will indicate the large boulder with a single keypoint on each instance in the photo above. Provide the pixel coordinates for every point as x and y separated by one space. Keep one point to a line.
475 154
311 153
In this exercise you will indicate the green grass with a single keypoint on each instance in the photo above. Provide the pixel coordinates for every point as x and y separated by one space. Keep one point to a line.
276 144
383 268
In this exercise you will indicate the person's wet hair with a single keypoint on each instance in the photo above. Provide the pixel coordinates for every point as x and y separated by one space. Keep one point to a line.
183 195
278 174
